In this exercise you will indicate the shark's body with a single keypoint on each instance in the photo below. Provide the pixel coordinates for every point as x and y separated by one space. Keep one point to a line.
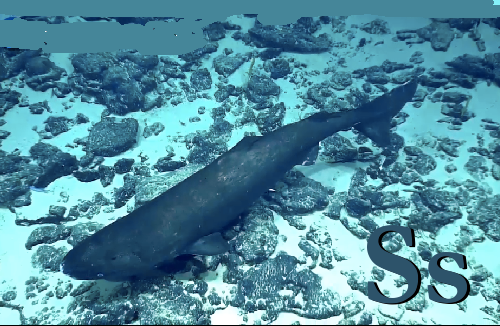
186 219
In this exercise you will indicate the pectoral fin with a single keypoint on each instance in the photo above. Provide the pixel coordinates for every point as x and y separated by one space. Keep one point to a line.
210 245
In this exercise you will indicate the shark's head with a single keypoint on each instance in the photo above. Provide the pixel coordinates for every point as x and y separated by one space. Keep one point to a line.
100 257
93 259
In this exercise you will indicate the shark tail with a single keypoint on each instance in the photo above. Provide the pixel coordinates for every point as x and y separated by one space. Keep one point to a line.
378 129
375 116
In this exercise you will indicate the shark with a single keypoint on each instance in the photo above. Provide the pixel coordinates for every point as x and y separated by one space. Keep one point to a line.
188 218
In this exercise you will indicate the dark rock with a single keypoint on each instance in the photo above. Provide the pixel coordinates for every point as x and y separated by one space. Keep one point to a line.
57 125
377 26
260 88
337 202
261 288
123 194
288 39
476 166
486 68
9 296
259 238
86 175
54 162
337 148
434 209
454 97
272 119
154 129
38 66
449 146
166 164
47 235
39 108
48 258
485 215
357 207
106 175
227 65
203 149
420 162
123 165
278 68
298 195
201 79
110 138
439 34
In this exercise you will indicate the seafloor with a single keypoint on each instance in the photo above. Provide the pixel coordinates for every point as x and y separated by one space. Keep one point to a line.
85 138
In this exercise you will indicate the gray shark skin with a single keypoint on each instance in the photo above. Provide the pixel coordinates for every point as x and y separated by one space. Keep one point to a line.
187 218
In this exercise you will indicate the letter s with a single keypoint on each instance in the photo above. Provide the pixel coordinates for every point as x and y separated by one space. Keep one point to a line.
456 280
393 263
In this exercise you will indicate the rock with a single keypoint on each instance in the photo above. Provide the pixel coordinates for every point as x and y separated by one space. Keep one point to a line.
154 129
123 165
54 163
439 34
476 166
110 138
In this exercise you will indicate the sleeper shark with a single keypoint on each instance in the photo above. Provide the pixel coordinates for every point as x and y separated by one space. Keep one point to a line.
187 219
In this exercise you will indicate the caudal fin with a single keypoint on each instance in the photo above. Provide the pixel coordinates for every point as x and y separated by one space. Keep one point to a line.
378 129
